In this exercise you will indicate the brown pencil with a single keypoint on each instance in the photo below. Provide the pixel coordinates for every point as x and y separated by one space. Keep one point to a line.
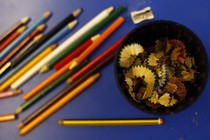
22 44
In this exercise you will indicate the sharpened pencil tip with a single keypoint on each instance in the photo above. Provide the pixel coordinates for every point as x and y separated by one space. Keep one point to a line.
22 29
44 69
20 125
47 14
60 122
110 9
18 111
25 20
161 121
73 65
72 24
77 12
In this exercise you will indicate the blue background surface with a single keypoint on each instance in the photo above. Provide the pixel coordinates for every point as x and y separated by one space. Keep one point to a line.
103 99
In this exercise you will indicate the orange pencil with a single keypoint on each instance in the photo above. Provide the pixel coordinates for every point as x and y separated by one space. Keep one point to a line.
75 53
46 82
55 107
14 77
22 44
58 73
98 41
12 37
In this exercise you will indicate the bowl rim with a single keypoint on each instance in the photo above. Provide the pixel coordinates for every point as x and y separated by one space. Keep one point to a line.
150 23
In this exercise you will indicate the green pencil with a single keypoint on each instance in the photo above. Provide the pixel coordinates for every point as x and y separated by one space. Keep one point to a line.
94 31
46 90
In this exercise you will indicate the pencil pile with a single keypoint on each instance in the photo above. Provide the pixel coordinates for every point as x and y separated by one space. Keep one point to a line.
27 50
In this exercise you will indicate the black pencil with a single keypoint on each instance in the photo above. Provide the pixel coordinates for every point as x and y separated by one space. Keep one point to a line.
53 31
65 91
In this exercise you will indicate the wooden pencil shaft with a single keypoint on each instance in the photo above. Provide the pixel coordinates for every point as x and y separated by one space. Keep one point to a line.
12 29
47 36
102 38
69 57
11 79
47 89
115 122
9 93
54 99
57 97
54 39
43 19
113 15
11 38
97 62
63 47
63 101
22 44
23 53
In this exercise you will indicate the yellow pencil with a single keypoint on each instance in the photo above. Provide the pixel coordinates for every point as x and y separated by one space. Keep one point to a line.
59 104
9 81
118 122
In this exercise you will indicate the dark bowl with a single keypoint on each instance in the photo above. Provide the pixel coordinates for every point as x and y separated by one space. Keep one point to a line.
146 35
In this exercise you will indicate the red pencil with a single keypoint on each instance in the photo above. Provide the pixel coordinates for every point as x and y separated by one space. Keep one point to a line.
22 44
75 53
95 62
11 37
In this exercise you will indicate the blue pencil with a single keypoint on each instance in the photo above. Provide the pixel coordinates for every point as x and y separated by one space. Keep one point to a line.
43 19
63 32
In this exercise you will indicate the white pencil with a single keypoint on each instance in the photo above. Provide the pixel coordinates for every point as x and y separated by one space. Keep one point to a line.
86 28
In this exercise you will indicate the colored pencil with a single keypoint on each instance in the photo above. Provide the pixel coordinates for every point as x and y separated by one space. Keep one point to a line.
111 122
115 25
98 63
22 44
22 56
72 55
24 69
88 34
112 16
9 93
43 19
63 101
12 37
51 37
8 117
62 48
52 40
23 21
8 64
47 89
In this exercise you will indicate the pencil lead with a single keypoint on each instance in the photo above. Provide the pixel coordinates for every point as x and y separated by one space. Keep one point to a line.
44 69
77 12
25 20
72 24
